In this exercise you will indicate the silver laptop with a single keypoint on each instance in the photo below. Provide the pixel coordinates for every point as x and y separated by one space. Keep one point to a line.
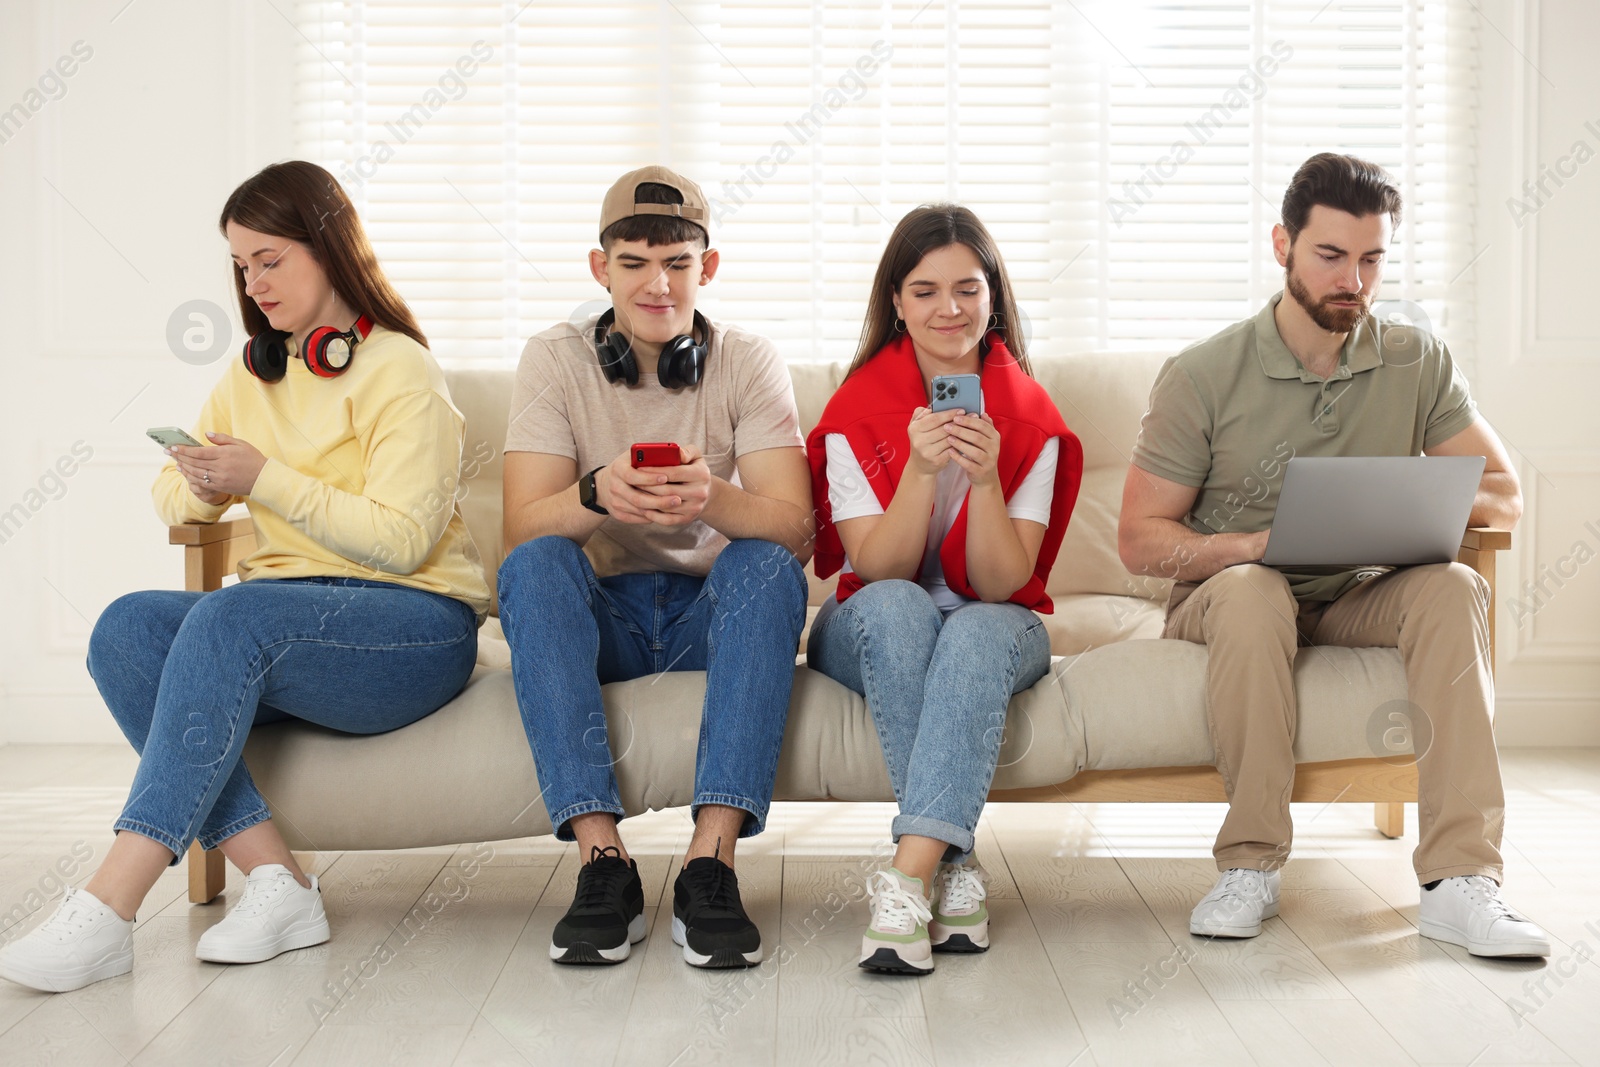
1386 510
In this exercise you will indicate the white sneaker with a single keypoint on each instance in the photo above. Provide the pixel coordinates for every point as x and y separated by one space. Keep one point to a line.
275 914
1237 904
896 941
1468 911
83 942
960 918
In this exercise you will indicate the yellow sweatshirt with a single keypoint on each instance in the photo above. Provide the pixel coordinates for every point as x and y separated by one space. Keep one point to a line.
361 473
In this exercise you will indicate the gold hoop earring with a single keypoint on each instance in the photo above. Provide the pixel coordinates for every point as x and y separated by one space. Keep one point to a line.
994 320
899 325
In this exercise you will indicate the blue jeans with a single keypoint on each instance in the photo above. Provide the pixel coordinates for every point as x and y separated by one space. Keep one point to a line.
938 688
187 674
571 632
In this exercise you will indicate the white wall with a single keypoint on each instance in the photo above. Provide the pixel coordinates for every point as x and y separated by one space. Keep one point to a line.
1538 372
108 205
109 197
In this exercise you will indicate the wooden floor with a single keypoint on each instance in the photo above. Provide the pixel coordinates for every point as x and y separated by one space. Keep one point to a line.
439 956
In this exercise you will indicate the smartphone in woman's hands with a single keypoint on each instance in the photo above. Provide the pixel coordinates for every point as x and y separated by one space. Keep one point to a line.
167 436
960 392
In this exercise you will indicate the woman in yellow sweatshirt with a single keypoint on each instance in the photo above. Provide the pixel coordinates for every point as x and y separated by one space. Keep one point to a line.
358 610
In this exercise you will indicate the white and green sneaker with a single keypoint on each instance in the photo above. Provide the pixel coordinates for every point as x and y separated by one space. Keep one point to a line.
960 918
896 941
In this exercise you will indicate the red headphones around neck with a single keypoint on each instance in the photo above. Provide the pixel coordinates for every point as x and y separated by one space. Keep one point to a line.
328 351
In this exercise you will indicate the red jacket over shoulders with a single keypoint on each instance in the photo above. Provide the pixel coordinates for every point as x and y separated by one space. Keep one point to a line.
872 409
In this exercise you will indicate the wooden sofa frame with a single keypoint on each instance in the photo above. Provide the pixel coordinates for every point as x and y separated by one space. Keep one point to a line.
212 552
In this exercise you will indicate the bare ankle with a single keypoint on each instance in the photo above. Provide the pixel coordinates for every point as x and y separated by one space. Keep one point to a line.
709 849
115 901
716 832
596 830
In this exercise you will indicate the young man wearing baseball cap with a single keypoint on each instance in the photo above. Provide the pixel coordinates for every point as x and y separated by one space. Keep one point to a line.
691 561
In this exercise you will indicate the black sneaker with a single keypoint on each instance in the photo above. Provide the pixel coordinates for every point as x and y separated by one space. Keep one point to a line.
708 919
607 913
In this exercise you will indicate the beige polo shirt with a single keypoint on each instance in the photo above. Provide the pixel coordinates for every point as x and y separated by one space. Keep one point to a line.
562 405
1227 413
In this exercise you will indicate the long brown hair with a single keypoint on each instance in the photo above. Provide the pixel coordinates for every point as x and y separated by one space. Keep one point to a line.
302 202
923 230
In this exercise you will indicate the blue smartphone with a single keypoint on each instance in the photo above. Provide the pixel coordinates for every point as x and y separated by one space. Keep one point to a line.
957 391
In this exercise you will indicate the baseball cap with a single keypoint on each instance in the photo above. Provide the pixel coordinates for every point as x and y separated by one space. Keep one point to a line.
620 204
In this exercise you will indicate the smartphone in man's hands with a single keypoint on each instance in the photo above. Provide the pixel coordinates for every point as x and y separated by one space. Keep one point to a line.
655 454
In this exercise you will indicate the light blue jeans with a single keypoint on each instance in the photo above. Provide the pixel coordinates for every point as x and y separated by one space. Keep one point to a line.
186 675
572 632
938 688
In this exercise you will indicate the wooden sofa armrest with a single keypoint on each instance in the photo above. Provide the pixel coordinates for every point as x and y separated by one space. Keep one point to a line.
1486 537
204 533
212 551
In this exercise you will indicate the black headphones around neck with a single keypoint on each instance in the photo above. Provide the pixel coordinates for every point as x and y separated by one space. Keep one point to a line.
682 361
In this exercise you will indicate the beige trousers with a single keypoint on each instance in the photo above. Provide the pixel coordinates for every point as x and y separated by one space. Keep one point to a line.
1437 616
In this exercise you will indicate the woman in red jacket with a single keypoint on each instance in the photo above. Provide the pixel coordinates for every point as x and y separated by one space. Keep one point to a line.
946 525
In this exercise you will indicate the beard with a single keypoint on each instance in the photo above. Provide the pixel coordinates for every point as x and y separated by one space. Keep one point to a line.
1322 312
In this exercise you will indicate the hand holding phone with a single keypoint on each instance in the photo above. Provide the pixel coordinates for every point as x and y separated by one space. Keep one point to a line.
632 496
167 437
226 466
682 499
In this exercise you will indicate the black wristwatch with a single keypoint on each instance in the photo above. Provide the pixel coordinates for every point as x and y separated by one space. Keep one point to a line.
588 495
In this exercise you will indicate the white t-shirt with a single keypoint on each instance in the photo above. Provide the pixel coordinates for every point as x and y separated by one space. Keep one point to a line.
852 498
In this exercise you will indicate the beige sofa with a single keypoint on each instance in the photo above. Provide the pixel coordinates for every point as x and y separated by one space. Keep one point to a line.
1120 717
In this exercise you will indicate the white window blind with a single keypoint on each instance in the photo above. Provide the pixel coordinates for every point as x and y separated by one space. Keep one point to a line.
1129 156
1222 102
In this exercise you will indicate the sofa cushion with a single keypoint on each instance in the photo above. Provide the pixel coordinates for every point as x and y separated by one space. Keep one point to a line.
483 396
1102 396
465 773
1143 703
1084 621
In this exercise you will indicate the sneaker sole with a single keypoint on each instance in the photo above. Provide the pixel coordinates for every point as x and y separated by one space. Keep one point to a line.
303 934
1232 930
1449 934
721 959
585 952
959 943
954 938
887 961
67 981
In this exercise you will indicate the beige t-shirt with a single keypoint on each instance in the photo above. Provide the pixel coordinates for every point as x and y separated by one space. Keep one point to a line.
562 405
1227 413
